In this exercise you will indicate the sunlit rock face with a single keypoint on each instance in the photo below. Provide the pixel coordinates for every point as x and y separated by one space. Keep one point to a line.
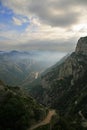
82 46
71 70
74 65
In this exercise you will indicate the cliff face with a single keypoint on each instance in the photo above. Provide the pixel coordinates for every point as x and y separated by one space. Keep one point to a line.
82 46
64 87
74 65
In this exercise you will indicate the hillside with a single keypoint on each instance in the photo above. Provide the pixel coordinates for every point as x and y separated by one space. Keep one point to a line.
64 87
17 110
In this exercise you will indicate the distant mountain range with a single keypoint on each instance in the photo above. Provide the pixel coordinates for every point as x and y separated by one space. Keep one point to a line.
21 68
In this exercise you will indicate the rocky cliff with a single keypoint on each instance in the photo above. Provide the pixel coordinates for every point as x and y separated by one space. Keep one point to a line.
81 46
64 87
74 65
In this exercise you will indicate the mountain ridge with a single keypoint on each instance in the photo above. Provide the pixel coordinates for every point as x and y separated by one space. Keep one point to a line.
17 66
64 88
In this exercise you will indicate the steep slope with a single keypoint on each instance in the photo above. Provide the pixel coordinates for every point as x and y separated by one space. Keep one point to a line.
17 110
65 86
57 64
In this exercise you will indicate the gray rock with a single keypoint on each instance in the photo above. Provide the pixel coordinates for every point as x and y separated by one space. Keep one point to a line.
82 46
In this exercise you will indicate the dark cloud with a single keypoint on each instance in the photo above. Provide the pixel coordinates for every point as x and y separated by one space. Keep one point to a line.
67 10
69 17
67 4
65 20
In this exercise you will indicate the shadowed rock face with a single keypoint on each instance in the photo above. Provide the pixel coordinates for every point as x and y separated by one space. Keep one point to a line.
82 46
65 86
74 65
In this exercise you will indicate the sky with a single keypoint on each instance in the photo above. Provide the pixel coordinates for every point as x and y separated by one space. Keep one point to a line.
53 25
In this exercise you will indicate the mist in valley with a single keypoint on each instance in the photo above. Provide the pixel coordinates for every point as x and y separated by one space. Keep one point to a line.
22 67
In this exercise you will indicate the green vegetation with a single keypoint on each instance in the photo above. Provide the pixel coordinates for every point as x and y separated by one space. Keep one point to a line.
18 111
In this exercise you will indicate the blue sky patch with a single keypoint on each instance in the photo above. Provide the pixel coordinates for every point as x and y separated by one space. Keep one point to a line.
6 17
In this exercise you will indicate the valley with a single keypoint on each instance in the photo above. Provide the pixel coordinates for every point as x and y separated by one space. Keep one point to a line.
55 98
21 68
43 64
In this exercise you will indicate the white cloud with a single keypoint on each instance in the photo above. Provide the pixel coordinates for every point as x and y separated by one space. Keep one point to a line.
50 21
17 21
62 13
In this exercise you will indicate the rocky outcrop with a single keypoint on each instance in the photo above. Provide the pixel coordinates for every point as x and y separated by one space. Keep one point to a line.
74 65
82 46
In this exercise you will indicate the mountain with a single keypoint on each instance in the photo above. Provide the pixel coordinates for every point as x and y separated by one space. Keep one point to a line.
18 110
64 87
58 63
21 67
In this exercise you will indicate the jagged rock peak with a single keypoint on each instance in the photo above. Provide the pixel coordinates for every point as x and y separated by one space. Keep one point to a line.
82 46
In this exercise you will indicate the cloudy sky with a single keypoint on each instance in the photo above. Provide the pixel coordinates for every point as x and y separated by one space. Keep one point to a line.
42 24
